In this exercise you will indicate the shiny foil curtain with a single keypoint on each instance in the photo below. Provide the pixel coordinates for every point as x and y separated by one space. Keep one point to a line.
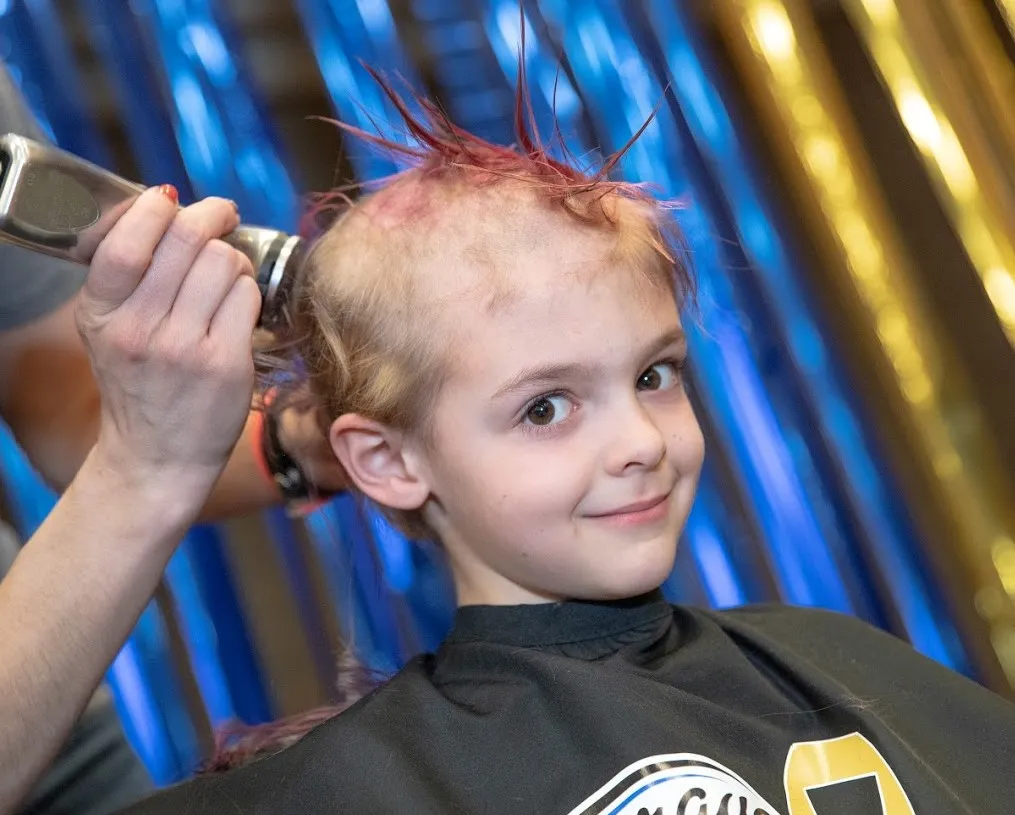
935 367
849 174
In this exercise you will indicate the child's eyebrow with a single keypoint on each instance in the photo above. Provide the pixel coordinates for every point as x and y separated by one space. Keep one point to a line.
675 336
557 372
545 374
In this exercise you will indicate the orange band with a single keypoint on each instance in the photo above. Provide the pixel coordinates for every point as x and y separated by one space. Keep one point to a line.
257 446
257 437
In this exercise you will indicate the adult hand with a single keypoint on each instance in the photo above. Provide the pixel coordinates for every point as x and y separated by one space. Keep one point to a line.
167 315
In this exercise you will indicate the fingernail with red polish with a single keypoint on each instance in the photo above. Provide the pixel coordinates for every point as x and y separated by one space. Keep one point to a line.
170 192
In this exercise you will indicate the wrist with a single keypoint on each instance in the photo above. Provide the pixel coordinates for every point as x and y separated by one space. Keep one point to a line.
173 495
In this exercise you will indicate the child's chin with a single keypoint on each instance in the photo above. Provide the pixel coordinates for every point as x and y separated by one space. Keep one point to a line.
631 579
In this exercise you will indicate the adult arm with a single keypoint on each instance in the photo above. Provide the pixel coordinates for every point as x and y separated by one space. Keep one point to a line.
166 316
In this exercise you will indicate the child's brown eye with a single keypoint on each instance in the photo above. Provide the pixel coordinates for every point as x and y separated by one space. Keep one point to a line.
541 412
650 380
548 410
660 377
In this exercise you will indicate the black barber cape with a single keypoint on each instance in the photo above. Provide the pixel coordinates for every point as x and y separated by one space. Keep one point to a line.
642 708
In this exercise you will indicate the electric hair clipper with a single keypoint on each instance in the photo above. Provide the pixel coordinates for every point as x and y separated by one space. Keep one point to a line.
56 203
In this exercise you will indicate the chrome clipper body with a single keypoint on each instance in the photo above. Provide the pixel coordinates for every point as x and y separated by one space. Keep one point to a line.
56 203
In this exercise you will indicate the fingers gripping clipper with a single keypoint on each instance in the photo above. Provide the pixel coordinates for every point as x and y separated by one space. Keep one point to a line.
58 204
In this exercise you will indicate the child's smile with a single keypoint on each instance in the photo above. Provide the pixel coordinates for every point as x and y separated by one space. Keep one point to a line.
651 510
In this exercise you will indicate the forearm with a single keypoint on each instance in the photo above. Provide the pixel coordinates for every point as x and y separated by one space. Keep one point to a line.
60 444
57 444
50 400
68 604
242 488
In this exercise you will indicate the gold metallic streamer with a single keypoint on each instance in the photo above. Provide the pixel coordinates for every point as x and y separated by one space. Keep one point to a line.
992 74
1007 9
962 494
911 56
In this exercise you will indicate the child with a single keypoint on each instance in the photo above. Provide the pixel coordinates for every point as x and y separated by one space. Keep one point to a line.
495 338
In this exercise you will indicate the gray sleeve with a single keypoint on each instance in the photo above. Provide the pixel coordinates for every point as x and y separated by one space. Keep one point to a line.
9 548
33 285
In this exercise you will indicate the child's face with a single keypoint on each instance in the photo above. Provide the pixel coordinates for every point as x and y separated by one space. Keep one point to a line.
564 454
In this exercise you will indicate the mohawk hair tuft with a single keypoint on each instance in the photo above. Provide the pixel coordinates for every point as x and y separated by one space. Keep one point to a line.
438 146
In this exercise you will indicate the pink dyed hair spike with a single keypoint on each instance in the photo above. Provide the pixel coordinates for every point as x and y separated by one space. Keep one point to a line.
438 145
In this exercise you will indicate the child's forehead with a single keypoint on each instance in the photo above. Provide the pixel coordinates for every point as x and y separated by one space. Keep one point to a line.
498 268
603 320
543 286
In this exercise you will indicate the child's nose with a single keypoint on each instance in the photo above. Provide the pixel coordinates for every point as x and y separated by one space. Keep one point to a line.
637 442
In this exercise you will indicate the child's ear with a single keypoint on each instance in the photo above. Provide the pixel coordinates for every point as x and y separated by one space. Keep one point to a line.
378 462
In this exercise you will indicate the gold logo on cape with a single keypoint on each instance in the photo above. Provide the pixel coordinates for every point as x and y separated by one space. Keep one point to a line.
813 764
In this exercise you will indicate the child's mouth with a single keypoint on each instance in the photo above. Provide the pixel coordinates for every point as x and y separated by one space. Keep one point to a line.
648 511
